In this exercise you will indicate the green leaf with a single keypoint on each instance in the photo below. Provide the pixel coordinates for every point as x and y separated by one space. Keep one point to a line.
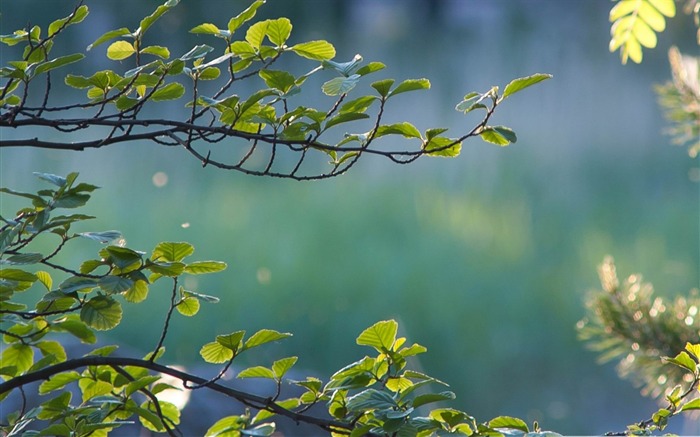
17 275
170 91
280 80
405 128
666 7
74 326
120 50
499 135
316 50
340 85
344 118
682 360
59 181
23 259
282 366
167 268
161 52
45 279
215 353
231 341
204 297
236 22
509 423
383 86
170 412
361 104
102 237
206 28
521 83
188 306
369 400
160 10
172 251
432 397
441 146
134 386
226 425
124 103
58 62
264 336
650 15
138 292
21 356
50 347
278 31
256 372
410 85
370 68
203 267
108 36
209 73
196 52
75 18
380 336
691 405
256 33
115 284
101 313
58 381
344 68
122 257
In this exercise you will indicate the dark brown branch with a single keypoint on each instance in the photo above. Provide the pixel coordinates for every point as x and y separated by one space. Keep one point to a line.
259 402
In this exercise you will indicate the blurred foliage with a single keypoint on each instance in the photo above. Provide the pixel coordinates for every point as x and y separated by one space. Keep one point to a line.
627 322
680 100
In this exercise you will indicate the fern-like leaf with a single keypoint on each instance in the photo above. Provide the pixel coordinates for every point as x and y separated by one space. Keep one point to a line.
635 24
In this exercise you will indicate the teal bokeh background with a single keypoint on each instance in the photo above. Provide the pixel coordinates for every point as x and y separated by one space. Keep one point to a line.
485 259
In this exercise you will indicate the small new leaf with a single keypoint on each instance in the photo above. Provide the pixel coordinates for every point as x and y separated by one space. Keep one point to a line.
120 50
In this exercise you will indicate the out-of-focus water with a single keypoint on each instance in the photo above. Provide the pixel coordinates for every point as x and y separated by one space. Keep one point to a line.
485 259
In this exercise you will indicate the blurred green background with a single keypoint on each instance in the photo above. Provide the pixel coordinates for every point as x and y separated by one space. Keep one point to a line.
484 259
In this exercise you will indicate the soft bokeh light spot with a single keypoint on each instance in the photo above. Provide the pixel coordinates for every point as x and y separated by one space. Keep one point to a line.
160 179
185 225
263 275
177 396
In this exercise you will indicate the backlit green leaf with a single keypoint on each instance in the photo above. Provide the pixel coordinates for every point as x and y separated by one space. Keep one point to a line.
370 68
383 86
161 52
256 372
21 356
231 341
410 85
521 83
380 336
58 62
405 128
345 117
101 313
236 22
441 146
203 267
108 36
17 275
172 251
666 7
189 306
75 18
215 353
206 28
278 31
432 397
509 423
264 336
280 80
119 50
170 91
148 21
340 85
138 292
282 366
58 381
256 33
316 50
102 237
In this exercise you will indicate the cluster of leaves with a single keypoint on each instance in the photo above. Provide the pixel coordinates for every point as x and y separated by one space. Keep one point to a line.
377 395
635 25
265 124
628 323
